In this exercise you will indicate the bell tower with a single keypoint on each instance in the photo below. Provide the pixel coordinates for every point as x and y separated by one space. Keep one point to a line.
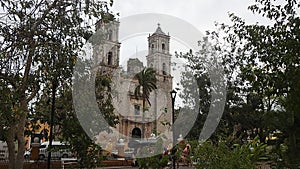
159 56
107 53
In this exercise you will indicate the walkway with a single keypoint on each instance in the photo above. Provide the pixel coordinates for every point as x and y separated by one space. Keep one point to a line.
119 167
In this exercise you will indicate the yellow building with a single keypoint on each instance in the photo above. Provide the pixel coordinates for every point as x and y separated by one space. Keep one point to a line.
42 132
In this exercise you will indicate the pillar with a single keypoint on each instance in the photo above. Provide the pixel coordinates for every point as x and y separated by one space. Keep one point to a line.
35 149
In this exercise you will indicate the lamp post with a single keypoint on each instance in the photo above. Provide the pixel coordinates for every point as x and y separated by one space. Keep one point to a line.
54 86
173 96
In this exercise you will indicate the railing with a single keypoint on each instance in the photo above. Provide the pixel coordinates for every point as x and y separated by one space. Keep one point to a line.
68 162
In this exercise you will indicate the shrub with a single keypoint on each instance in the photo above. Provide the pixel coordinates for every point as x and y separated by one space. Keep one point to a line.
210 156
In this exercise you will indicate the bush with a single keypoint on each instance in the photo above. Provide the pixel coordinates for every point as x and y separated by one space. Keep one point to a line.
154 162
210 156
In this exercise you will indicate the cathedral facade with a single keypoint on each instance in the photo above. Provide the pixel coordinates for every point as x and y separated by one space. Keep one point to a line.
157 116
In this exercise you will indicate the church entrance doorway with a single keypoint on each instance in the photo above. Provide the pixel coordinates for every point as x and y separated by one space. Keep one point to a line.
136 133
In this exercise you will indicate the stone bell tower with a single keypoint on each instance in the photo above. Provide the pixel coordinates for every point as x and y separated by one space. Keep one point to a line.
108 51
159 58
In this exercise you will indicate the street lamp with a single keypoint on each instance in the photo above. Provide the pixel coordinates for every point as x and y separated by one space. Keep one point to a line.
54 87
173 96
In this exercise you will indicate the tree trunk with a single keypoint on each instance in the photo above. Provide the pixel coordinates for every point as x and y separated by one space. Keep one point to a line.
21 143
11 147
16 131
262 135
292 150
292 140
143 118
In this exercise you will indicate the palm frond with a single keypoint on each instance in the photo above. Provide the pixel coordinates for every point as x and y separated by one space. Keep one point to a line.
147 81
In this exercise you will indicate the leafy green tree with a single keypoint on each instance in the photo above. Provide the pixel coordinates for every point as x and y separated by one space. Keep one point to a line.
104 99
191 81
146 84
41 40
269 64
203 65
264 59
67 126
212 156
155 162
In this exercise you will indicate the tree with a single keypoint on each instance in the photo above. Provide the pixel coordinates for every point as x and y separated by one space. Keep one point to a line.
104 99
269 64
211 73
261 64
146 83
67 126
219 155
195 95
40 43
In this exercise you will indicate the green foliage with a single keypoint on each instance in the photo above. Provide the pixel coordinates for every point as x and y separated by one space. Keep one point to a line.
156 161
71 131
67 125
269 63
194 78
40 44
153 162
146 83
212 156
261 64
91 158
104 99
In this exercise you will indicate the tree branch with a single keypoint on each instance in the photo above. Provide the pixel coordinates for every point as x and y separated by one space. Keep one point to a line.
41 19
32 45
33 93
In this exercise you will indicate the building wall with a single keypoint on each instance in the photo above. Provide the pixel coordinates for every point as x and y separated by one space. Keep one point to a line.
160 110
123 90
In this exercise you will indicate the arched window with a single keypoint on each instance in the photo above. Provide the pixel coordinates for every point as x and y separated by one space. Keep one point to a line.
110 34
163 46
164 69
152 47
109 58
137 110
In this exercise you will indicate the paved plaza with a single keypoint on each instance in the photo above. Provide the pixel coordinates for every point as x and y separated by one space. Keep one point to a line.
169 167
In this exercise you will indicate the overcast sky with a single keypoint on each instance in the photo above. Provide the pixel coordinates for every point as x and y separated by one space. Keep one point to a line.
201 13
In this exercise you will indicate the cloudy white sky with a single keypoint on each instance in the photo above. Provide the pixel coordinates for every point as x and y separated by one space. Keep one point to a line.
200 13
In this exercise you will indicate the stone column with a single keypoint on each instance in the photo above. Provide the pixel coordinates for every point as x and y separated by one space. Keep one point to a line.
120 147
35 149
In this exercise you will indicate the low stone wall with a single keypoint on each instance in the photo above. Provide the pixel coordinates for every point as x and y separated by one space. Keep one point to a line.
58 164
109 163
35 165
